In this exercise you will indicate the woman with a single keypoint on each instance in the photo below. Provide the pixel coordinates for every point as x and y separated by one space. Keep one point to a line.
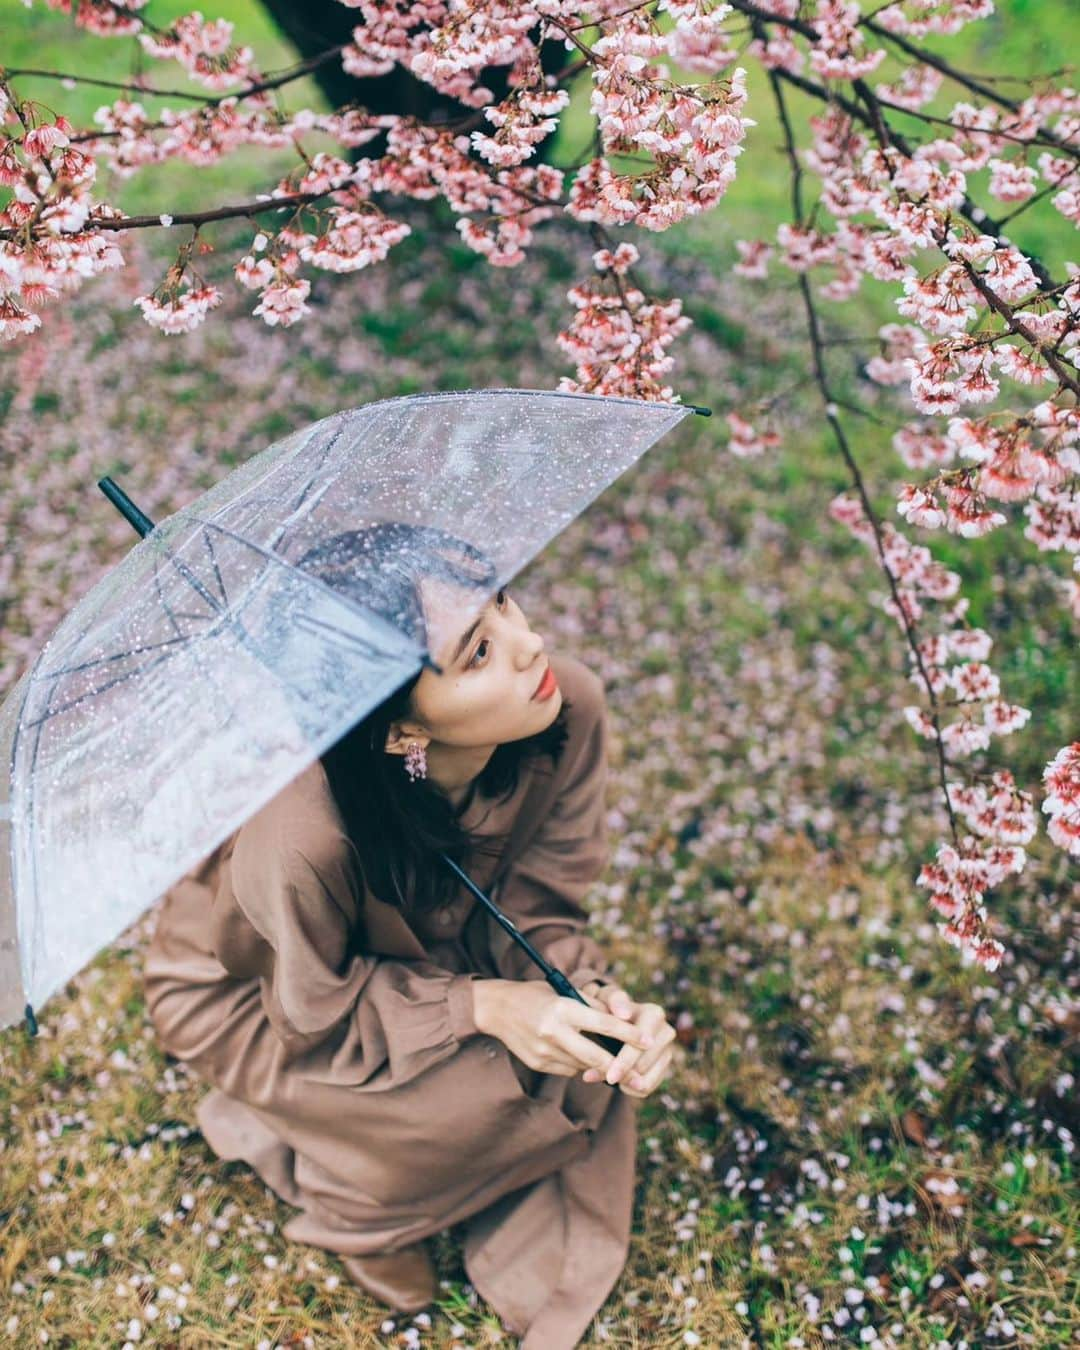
378 1049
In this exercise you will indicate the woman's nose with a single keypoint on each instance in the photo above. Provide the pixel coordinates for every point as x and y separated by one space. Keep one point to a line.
531 648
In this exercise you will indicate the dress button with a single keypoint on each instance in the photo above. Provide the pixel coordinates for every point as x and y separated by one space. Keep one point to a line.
492 1051
444 916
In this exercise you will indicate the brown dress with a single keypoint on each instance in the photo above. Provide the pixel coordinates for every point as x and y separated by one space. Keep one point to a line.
344 1063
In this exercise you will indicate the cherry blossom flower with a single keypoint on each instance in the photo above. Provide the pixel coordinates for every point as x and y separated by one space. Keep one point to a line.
281 303
180 312
747 441
1061 778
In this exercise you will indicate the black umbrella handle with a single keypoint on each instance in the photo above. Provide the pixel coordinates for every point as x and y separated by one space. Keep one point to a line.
552 974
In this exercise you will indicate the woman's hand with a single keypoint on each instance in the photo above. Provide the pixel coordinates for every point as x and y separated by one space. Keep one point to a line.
638 1072
544 1029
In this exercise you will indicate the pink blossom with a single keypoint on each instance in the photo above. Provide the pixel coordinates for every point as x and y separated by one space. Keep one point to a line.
1010 181
753 256
1061 779
282 302
1053 519
917 86
974 680
971 643
42 140
1003 718
619 262
179 312
1008 274
1019 365
699 43
353 240
746 441
920 507
966 514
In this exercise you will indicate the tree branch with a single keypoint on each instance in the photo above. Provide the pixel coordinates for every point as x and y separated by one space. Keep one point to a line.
821 376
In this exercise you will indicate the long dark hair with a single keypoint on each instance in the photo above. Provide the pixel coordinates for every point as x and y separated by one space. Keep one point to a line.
399 826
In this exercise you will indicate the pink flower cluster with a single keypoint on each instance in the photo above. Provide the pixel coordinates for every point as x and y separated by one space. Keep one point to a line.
1061 778
179 311
282 293
692 139
618 339
746 440
523 120
951 668
106 18
839 54
1001 819
1011 466
933 16
205 51
52 245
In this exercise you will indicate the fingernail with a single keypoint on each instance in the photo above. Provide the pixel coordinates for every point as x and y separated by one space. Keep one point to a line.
613 1074
591 1075
636 1080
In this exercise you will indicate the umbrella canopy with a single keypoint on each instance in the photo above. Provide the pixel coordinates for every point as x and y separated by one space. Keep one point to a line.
213 665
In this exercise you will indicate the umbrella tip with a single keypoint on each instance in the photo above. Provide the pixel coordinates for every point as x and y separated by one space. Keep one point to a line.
703 412
137 519
31 1020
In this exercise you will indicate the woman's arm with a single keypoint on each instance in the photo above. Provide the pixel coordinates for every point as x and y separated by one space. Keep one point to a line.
382 1020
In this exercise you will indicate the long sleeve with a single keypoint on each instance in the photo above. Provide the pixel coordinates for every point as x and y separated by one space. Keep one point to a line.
543 887
378 1015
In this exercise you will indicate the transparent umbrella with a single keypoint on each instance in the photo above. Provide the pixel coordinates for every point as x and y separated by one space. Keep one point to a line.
213 665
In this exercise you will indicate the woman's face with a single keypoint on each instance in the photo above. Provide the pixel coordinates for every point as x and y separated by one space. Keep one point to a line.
492 665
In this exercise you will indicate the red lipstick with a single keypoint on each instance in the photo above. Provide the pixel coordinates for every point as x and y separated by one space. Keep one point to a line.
547 686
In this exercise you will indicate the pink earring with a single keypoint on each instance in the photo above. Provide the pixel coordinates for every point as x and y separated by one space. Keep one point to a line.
416 761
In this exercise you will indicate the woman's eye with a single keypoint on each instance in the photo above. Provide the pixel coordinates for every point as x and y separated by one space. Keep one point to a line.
500 599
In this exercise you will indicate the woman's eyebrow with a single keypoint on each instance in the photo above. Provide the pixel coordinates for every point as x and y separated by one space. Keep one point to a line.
463 641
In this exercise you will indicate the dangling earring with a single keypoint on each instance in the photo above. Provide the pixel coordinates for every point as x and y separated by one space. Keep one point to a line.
416 761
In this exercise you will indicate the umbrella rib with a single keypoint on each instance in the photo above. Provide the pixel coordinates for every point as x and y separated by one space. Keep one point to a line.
369 648
116 656
188 638
340 597
129 674
294 514
164 602
217 571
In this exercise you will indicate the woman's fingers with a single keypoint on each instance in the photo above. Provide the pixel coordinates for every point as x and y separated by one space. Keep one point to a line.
652 1023
641 1086
663 1037
580 1017
588 1053
616 1000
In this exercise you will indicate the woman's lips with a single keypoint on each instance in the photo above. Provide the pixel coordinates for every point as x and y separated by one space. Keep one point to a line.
547 686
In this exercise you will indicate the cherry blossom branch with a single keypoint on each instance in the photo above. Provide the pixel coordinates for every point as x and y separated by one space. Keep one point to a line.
291 73
830 406
939 63
199 218
971 211
808 31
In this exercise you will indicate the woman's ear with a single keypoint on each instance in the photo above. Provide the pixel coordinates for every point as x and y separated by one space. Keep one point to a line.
399 736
